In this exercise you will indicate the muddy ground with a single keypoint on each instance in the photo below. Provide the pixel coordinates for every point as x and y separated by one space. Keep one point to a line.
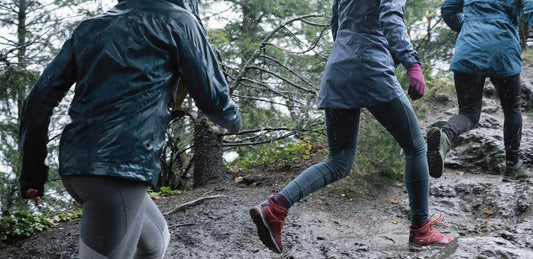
489 219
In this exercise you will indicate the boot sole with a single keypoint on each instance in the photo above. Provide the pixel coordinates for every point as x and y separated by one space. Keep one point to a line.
416 247
263 231
434 157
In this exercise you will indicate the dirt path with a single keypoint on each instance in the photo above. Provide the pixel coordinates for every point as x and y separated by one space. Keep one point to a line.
492 220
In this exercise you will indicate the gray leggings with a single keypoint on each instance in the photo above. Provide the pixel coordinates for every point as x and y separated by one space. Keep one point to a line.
119 219
398 117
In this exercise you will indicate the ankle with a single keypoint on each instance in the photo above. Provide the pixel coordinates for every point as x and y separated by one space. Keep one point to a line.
281 201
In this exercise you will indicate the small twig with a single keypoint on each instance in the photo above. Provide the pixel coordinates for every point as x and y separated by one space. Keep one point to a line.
181 225
191 203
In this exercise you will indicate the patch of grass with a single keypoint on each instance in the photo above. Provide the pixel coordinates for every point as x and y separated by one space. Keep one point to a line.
21 224
280 152
527 55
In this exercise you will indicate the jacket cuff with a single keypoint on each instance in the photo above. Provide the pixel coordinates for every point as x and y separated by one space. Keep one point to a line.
409 60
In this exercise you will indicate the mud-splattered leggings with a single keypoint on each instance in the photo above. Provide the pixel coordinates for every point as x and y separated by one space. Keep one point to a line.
399 119
469 90
119 219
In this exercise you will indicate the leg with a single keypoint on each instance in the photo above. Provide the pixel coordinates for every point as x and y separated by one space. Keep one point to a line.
113 213
269 216
469 90
342 128
154 235
399 119
509 92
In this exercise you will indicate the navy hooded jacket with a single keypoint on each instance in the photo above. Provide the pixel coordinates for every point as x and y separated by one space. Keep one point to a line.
370 41
126 65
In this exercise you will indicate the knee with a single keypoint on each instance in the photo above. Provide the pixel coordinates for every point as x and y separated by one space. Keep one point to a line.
415 148
340 169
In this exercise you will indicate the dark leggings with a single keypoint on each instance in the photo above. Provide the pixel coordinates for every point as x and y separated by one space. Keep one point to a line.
399 119
119 219
469 88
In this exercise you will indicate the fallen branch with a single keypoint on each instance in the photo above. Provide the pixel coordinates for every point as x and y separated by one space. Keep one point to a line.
181 225
191 203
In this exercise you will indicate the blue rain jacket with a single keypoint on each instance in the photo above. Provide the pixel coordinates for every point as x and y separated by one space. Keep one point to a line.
488 41
126 65
370 41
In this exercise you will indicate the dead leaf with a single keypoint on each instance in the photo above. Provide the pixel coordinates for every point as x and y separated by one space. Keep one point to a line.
394 222
393 201
234 169
239 179
459 172
252 184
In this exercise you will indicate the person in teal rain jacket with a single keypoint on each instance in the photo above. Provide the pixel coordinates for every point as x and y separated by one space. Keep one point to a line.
370 41
488 45
126 65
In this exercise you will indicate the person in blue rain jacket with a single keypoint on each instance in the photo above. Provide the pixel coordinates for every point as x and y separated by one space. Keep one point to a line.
488 45
370 41
126 65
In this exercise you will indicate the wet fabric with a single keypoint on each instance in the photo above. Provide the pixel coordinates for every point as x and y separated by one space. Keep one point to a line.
469 88
342 126
126 65
488 41
370 41
119 219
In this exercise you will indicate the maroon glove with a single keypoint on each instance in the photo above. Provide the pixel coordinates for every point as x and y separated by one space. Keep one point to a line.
417 85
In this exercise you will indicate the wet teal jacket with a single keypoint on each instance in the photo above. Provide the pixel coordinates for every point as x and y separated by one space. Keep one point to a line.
370 41
125 65
488 41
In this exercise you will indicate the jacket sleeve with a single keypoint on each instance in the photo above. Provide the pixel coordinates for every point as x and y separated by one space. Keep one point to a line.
452 13
46 94
392 21
334 19
202 76
528 11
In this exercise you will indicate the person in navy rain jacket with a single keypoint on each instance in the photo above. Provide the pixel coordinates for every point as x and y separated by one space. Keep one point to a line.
370 41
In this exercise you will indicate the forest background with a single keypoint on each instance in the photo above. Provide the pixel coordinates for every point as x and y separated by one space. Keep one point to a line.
273 53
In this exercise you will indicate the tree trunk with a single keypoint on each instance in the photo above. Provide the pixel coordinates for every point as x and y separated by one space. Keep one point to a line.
207 161
523 30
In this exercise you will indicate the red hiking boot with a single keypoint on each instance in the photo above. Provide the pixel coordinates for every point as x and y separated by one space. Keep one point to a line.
427 236
269 218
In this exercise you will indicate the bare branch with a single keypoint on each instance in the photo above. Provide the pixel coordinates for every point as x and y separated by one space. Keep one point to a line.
286 80
277 62
258 143
191 203
267 38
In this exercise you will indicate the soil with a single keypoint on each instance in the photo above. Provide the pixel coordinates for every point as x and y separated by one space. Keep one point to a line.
329 223
486 217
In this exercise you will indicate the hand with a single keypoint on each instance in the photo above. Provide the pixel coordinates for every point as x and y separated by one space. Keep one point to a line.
32 194
417 85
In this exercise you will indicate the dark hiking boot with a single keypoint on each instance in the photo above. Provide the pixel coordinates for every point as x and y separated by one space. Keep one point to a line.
438 145
426 236
515 173
269 218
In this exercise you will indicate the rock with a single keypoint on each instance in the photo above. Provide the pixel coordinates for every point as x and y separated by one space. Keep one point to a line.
489 247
